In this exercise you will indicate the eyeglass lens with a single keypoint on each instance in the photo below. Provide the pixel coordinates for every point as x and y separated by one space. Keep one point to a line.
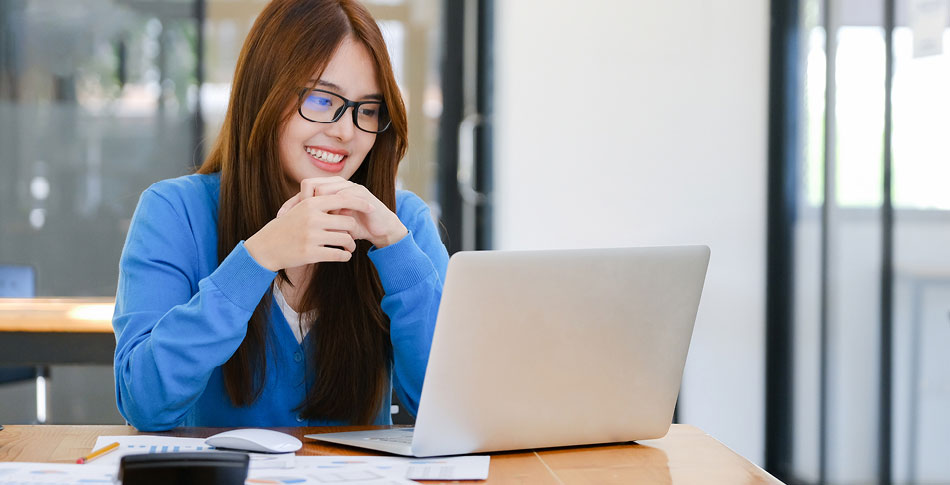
325 107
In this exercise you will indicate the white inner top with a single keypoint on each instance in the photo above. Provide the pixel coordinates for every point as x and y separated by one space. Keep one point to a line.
293 318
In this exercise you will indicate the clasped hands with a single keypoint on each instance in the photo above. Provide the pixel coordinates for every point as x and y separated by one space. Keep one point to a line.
322 223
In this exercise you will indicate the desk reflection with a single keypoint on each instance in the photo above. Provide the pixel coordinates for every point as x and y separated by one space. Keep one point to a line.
621 463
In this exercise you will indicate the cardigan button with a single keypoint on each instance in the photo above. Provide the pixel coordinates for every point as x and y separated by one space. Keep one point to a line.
299 418
297 357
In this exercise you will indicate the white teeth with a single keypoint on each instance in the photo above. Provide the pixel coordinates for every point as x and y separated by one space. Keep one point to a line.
324 156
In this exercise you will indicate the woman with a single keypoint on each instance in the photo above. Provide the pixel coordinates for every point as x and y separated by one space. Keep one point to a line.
287 283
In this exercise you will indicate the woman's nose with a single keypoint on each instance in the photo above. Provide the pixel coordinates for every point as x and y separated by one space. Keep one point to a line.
343 129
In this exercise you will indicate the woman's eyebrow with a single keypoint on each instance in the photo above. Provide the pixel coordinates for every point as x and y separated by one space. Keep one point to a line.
336 88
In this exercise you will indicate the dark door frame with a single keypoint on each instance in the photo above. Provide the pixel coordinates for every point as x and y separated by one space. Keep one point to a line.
465 128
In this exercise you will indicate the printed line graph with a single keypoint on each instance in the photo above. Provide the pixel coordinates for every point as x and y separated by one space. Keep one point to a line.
165 448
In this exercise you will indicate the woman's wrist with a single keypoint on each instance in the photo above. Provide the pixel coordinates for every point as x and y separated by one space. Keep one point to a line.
258 254
391 238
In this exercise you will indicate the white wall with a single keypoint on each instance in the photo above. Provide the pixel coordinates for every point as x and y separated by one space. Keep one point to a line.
644 123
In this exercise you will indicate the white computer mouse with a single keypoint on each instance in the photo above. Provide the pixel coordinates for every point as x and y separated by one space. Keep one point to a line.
255 439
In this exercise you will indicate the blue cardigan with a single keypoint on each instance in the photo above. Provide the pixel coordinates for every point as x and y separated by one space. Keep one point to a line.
179 315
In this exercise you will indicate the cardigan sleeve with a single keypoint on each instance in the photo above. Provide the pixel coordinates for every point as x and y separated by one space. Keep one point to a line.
172 329
412 272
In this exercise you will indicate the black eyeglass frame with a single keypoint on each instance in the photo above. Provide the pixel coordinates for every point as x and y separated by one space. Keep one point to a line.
346 105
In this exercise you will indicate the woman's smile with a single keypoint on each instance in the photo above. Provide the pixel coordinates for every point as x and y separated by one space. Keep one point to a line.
327 159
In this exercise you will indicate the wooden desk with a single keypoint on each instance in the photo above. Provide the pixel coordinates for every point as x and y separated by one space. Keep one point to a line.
50 331
685 456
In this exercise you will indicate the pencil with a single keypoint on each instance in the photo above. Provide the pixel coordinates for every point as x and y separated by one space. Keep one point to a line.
98 453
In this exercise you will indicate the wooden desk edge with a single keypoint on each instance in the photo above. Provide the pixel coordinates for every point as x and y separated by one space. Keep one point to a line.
51 315
33 443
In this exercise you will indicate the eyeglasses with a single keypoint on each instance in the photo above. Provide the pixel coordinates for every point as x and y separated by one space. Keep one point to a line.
321 106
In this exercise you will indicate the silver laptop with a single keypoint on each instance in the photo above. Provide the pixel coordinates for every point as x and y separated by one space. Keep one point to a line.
536 349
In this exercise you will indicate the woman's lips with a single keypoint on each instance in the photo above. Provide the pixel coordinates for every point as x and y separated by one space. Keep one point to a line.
327 159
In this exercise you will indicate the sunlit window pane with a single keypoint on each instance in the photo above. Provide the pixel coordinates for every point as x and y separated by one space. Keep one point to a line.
921 133
859 116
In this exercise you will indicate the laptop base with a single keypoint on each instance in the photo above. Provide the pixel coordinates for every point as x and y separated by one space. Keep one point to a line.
397 441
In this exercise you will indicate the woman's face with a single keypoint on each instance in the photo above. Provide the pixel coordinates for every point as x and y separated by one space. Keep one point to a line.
309 149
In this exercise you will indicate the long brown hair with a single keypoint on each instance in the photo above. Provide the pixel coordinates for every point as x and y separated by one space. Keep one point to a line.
352 352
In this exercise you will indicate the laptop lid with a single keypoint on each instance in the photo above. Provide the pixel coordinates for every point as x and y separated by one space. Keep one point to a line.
552 348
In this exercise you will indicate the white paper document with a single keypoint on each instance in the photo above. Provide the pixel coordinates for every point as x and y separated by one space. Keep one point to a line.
16 473
266 468
450 468
141 444
308 470
315 476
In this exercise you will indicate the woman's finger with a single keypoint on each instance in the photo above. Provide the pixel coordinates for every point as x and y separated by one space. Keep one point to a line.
335 222
331 188
340 239
308 187
338 202
289 204
324 253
